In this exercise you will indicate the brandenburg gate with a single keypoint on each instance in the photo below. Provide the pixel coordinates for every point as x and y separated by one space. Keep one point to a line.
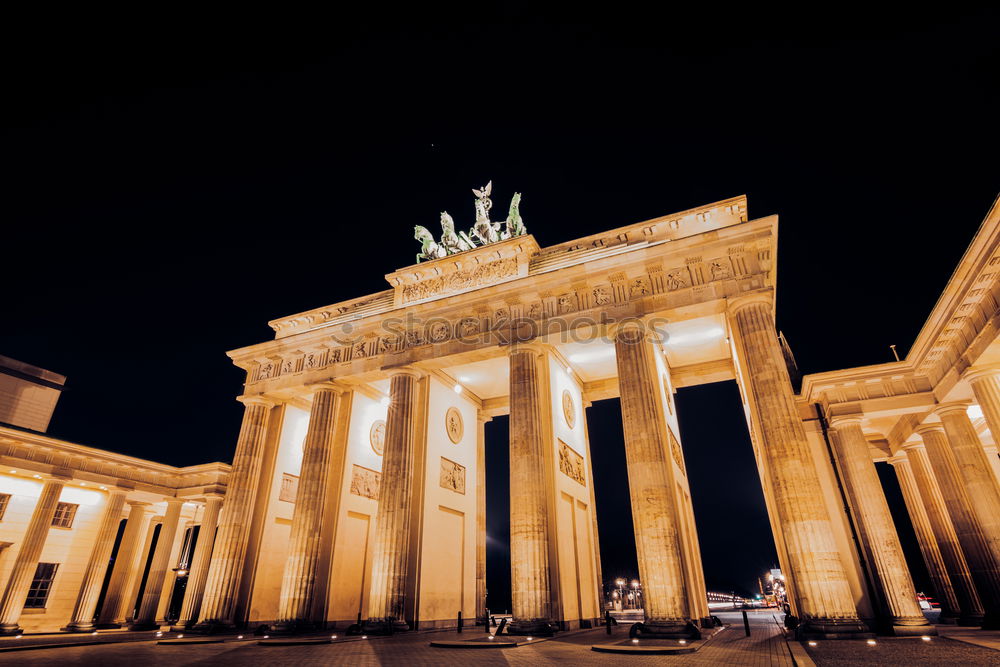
358 484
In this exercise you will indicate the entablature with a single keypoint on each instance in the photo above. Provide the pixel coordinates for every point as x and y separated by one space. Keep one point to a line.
656 278
21 449
513 258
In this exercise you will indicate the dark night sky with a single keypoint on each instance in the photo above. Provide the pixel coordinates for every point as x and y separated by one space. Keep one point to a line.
172 182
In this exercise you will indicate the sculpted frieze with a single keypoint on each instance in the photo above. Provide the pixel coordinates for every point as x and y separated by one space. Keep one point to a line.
464 279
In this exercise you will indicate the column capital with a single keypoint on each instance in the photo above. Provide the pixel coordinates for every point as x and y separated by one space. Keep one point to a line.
974 374
257 399
763 297
175 501
927 427
411 371
138 503
898 457
327 385
951 406
838 421
483 418
526 348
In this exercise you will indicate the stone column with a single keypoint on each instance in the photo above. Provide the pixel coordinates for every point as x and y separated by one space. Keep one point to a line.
882 546
97 566
26 562
200 562
983 565
111 608
985 384
816 572
993 456
390 563
977 473
298 584
651 487
529 519
158 567
218 605
481 517
951 609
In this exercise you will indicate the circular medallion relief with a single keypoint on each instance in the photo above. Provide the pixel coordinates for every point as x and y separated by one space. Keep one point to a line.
453 425
377 436
569 408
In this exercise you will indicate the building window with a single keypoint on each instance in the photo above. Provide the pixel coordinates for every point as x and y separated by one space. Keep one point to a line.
4 499
41 585
65 512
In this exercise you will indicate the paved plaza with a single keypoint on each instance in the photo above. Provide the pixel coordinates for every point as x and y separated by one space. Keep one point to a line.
766 646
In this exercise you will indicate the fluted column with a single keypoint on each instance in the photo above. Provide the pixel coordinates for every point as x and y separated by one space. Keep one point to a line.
651 486
881 541
26 561
481 516
816 571
929 550
529 519
298 584
976 471
111 608
97 566
200 562
993 455
158 567
983 565
218 605
944 531
390 564
985 384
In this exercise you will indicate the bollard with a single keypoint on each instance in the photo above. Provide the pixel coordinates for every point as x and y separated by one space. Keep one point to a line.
607 620
459 620
503 624
359 619
746 623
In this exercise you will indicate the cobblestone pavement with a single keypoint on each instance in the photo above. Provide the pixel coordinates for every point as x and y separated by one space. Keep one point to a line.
765 647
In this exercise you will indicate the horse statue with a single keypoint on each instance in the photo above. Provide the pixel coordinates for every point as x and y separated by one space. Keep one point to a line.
429 248
514 225
452 242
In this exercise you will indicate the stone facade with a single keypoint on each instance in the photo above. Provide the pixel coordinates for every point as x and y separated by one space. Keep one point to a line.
357 491
63 507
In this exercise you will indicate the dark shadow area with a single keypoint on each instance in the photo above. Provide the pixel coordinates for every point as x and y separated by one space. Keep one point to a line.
614 507
904 528
498 515
733 528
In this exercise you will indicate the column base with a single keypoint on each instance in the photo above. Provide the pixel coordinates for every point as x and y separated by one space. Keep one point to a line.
914 630
213 628
108 626
538 627
832 628
144 625
991 621
971 620
79 627
665 629
384 626
11 629
294 627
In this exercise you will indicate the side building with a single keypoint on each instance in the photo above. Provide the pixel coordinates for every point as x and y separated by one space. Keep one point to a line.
90 538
